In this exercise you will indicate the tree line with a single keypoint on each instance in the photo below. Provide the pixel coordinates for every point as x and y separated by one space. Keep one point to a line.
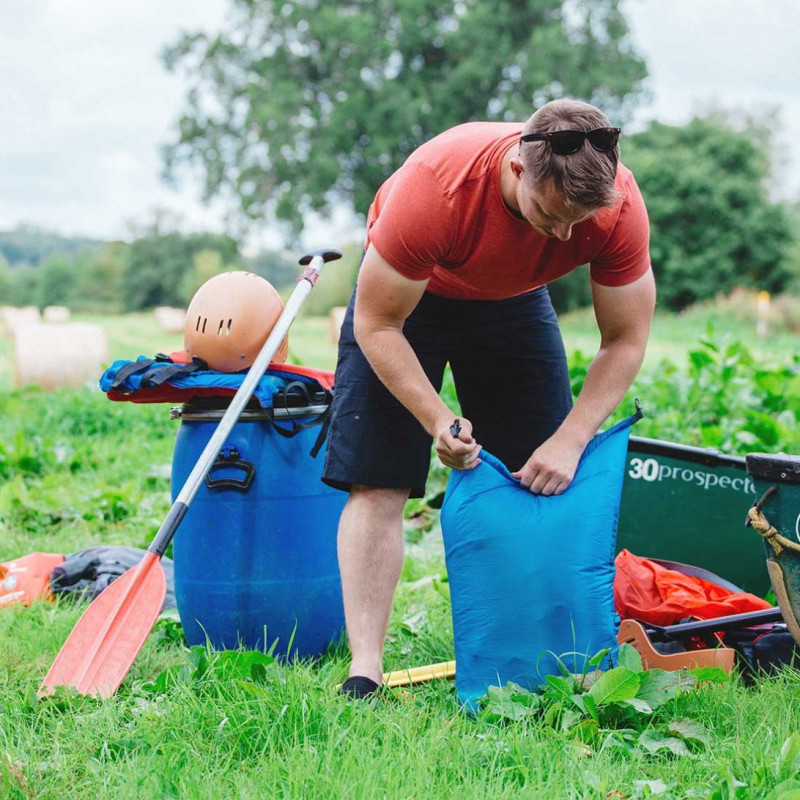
713 228
303 107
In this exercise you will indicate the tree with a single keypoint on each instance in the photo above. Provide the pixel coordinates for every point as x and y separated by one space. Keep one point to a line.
297 106
56 280
24 280
158 265
98 279
712 224
6 281
279 268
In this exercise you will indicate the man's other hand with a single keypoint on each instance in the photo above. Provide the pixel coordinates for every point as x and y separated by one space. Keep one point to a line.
552 466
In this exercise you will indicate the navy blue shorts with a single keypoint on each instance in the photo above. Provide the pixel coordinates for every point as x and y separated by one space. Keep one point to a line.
510 372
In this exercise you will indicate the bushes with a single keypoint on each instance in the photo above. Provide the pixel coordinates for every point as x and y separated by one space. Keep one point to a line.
724 399
713 226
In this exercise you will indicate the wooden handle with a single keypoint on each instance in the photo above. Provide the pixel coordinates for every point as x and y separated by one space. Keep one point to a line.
431 672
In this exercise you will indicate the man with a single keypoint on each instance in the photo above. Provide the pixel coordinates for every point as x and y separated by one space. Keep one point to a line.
461 243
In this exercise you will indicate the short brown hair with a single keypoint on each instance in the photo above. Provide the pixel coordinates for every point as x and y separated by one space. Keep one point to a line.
585 178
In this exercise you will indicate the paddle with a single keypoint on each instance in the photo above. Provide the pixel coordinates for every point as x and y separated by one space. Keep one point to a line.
106 640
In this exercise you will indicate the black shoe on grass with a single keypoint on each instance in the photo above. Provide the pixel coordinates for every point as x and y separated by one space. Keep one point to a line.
360 688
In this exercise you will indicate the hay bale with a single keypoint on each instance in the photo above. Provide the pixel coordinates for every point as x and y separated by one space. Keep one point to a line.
170 319
53 355
11 316
56 314
335 319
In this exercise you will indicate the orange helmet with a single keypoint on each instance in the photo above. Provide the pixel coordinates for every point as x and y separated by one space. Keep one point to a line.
229 320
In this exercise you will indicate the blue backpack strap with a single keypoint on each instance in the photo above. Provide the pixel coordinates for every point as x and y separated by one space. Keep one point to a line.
162 373
128 370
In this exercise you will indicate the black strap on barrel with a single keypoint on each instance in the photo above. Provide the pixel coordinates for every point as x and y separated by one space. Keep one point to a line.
323 419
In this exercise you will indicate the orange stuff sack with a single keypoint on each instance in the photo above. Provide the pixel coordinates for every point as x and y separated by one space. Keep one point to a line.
650 592
27 578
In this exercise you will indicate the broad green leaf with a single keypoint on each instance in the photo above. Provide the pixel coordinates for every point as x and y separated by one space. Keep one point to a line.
690 730
510 702
562 688
619 683
586 731
642 706
658 687
786 790
625 739
789 762
520 694
579 700
654 742
788 793
599 657
653 788
570 718
590 706
710 675
442 588
629 658
253 689
552 713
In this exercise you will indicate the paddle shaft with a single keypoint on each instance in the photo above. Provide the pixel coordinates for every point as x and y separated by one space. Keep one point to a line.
181 505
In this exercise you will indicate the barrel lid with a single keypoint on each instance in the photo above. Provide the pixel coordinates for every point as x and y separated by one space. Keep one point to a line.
777 467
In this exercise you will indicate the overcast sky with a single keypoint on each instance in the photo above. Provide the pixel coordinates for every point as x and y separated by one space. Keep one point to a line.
86 103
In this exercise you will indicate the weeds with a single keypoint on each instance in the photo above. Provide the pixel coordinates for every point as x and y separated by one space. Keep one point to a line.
76 470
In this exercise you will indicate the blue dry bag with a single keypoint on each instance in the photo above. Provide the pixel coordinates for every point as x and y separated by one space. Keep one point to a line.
531 577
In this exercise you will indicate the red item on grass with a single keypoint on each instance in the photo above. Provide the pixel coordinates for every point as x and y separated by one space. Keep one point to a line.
648 591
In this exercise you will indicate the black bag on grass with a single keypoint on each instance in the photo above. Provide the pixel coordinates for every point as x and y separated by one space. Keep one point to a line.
86 573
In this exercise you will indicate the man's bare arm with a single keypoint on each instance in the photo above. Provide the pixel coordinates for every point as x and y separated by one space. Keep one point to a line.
624 315
384 300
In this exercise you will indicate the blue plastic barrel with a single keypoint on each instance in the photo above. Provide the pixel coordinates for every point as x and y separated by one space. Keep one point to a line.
255 556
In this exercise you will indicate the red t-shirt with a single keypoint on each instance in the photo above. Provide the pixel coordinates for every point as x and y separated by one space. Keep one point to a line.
442 216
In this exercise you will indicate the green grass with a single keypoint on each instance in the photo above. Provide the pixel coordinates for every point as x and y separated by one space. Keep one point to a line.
77 470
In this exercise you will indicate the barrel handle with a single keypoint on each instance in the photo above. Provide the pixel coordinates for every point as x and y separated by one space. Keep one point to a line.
230 458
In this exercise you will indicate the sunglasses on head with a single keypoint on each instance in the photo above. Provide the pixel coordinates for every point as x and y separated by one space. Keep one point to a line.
565 143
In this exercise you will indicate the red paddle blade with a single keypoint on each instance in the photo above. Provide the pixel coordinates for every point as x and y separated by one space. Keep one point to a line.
106 640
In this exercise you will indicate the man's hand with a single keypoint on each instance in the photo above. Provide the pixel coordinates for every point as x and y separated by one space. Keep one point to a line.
551 467
459 451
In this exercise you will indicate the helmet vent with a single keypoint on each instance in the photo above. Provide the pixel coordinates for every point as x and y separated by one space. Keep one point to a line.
223 329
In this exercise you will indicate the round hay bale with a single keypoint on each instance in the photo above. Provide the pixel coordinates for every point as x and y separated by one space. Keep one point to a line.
11 316
56 314
335 319
170 319
54 355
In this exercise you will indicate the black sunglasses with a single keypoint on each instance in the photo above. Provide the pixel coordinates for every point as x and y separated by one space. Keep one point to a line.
565 143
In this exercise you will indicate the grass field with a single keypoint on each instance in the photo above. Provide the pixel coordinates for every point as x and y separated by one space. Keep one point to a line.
310 343
77 470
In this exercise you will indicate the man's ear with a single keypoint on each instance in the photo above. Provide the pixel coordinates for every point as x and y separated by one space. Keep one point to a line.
516 167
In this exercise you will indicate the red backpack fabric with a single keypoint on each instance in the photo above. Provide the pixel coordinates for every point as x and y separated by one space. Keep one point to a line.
650 591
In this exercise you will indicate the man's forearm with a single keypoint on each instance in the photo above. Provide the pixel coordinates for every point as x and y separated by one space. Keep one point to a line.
395 363
609 377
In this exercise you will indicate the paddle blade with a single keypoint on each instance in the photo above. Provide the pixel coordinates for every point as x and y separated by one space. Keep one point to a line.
106 640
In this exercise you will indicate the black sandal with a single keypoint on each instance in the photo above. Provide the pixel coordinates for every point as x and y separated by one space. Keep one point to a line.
360 688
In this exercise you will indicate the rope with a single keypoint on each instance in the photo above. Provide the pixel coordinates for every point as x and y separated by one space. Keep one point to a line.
777 542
